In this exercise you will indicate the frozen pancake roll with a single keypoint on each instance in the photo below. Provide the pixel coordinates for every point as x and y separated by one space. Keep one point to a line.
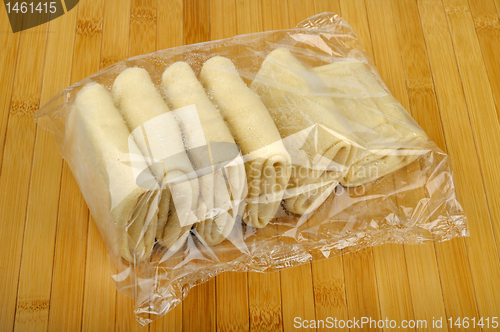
98 149
390 135
267 163
318 139
212 150
159 137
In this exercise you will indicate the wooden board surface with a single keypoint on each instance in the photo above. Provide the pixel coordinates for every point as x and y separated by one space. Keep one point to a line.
438 57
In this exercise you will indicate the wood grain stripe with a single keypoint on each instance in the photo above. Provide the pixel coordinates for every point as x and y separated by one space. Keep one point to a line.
199 307
425 281
300 277
73 219
461 148
41 218
231 288
264 291
169 34
17 164
486 131
359 267
98 311
116 37
328 274
10 46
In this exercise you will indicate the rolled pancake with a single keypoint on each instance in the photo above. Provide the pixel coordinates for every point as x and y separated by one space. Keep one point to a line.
317 138
159 137
390 135
212 151
267 163
97 141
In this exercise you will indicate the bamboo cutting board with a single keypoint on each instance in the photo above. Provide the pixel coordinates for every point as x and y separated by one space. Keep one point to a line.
438 57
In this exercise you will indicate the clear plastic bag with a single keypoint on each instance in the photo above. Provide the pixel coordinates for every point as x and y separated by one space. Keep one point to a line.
252 153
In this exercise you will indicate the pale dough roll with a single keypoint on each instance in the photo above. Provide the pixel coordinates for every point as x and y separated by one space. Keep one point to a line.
390 131
267 162
147 114
97 140
203 129
287 89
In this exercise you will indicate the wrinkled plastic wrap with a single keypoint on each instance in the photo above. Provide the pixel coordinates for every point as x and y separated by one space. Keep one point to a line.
252 153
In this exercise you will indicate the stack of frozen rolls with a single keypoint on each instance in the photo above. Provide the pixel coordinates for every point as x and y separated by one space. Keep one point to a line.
230 151
359 124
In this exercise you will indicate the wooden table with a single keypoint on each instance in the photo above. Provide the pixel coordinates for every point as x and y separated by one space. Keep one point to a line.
439 58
